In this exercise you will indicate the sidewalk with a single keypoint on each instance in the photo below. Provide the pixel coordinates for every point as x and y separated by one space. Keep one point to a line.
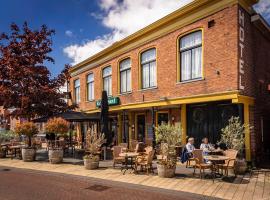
243 187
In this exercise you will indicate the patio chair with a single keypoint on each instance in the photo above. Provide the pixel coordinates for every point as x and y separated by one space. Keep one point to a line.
145 162
144 154
133 144
139 148
229 164
124 145
148 142
199 162
116 158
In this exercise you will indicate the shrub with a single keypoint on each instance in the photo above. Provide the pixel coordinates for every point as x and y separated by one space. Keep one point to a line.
168 136
58 126
233 134
93 143
28 129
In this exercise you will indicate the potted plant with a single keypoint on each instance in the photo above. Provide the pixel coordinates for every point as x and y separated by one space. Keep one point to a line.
27 129
4 137
233 136
93 144
59 127
169 136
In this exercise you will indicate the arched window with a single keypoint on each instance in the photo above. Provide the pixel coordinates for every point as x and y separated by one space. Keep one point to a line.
107 80
149 68
191 56
125 75
90 87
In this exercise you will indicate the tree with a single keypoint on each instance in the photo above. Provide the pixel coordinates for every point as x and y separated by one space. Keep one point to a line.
25 81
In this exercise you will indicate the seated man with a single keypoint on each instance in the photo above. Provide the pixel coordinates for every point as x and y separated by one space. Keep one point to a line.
190 146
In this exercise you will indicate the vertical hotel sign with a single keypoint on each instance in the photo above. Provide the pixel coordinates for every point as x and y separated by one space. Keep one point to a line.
242 47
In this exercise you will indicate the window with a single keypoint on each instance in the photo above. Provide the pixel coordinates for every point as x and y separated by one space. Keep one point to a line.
90 87
77 91
125 75
149 70
191 56
107 80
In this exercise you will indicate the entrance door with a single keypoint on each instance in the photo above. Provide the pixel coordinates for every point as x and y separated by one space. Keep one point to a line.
141 127
207 120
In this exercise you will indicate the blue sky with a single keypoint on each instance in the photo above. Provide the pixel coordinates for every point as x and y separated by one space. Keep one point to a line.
84 27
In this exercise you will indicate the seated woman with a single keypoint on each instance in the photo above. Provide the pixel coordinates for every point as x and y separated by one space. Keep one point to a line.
205 145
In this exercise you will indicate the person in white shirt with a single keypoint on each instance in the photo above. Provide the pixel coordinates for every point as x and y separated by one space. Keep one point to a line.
206 146
190 146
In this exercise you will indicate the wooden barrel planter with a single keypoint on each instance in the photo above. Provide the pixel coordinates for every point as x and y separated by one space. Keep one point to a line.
91 163
165 172
240 166
56 156
28 154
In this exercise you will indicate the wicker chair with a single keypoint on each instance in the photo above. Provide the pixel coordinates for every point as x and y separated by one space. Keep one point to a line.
116 158
145 162
199 162
124 145
229 164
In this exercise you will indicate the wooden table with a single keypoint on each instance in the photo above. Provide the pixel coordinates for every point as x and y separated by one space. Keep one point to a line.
215 159
129 161
16 148
213 152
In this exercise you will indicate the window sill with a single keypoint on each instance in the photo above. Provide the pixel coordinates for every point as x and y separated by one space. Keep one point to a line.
190 81
124 93
150 88
90 101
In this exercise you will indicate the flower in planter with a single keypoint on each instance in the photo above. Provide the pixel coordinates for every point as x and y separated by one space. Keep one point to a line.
28 129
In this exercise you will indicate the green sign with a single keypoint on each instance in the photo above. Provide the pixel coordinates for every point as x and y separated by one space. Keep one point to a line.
112 101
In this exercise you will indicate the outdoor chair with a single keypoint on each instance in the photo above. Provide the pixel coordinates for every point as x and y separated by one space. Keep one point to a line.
199 162
229 164
139 148
116 158
146 152
124 145
133 144
145 162
148 142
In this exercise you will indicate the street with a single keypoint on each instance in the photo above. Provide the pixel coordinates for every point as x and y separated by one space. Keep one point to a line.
34 185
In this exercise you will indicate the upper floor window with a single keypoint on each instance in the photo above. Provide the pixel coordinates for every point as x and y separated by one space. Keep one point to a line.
191 56
90 87
77 91
125 75
107 80
149 69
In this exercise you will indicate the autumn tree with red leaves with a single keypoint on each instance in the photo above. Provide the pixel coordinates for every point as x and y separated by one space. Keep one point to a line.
25 81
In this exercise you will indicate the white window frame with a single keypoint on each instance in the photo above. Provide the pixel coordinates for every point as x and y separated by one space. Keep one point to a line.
90 87
108 78
146 66
125 71
77 92
191 50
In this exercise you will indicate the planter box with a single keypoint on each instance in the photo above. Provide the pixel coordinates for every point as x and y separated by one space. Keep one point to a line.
28 154
165 172
56 156
90 164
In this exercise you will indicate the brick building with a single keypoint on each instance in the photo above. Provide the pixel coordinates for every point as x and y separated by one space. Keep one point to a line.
198 66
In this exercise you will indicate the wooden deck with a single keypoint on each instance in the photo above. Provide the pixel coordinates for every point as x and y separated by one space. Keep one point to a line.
243 187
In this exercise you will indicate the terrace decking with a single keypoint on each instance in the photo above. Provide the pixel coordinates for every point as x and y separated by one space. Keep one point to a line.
245 187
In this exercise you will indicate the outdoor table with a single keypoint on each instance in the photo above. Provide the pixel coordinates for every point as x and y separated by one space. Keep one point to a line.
16 148
129 161
215 159
213 151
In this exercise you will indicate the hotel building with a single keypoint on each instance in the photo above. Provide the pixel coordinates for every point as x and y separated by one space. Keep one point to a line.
197 67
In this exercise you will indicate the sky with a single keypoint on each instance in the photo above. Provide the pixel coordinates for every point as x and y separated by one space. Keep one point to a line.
85 27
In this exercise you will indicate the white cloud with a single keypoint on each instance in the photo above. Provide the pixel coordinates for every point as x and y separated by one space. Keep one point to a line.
263 7
123 18
69 33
